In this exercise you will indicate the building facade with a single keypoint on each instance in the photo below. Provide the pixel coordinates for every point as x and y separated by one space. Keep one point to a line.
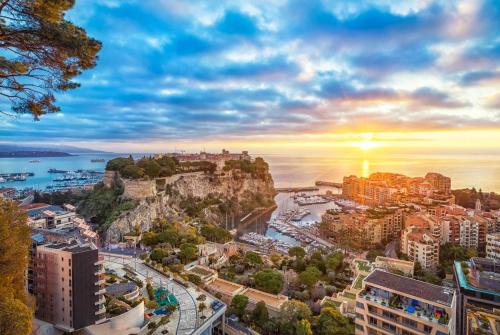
493 246
420 246
392 304
68 285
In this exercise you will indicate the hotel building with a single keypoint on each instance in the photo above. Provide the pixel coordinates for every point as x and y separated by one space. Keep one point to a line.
391 304
68 285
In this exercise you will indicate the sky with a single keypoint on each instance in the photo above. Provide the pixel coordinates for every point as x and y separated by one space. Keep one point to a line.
280 75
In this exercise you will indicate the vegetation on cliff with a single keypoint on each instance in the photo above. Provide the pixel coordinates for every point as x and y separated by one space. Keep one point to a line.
103 205
258 168
467 198
150 167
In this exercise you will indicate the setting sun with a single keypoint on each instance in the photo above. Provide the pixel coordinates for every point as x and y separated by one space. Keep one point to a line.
366 142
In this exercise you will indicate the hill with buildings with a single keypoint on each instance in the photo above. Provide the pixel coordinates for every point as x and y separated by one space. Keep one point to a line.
207 188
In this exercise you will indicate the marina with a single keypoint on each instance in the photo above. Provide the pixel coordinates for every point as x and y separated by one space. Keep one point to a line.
15 176
291 224
303 199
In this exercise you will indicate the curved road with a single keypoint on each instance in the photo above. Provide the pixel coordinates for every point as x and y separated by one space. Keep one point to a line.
188 311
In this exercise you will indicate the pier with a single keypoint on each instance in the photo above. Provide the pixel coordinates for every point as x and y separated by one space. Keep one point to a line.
328 183
297 189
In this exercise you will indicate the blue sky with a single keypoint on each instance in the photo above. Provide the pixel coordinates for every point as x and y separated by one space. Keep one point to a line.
194 72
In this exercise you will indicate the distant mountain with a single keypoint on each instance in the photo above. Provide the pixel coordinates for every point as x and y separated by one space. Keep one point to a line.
7 147
15 154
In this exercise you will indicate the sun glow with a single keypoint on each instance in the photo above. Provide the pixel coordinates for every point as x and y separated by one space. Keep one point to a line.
366 142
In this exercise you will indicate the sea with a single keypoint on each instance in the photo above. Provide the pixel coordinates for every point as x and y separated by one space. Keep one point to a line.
481 172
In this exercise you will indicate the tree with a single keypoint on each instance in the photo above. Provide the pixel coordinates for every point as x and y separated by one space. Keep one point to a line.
132 172
303 327
188 252
297 252
260 314
293 311
238 305
151 168
252 258
310 276
334 261
372 254
15 315
202 307
157 254
269 280
330 321
41 54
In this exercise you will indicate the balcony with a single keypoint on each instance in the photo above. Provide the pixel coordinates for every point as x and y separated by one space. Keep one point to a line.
101 310
406 305
101 301
100 291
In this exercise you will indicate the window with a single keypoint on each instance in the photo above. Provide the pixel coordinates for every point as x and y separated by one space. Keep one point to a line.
409 323
360 327
360 305
427 329
372 320
360 316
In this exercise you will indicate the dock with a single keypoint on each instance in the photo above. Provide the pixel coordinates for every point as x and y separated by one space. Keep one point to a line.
328 183
297 189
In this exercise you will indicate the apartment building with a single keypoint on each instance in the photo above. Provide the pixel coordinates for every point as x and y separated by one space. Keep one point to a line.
493 246
383 224
41 215
391 304
420 246
68 285
439 182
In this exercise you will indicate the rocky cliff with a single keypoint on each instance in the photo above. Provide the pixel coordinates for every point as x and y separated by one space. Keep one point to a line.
207 197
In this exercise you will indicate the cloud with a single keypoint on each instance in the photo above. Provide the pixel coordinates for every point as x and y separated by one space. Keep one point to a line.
191 70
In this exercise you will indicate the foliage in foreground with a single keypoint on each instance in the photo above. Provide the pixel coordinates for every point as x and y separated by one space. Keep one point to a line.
42 53
15 315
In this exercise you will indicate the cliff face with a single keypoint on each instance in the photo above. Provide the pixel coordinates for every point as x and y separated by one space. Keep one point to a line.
212 195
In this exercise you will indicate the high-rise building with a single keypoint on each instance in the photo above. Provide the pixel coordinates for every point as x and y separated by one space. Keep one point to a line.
68 285
439 182
394 304
420 246
493 246
478 282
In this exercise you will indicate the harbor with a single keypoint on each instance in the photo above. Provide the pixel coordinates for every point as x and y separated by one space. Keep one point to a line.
292 224
53 173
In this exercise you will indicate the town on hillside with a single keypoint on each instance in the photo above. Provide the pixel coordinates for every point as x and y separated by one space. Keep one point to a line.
388 254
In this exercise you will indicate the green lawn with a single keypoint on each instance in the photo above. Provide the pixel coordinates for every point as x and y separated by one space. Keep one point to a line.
363 266
359 282
349 295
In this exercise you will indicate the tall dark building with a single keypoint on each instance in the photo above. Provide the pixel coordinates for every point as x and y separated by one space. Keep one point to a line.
68 285
478 281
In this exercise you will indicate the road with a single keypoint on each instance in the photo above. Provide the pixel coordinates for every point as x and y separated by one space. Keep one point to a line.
390 249
188 311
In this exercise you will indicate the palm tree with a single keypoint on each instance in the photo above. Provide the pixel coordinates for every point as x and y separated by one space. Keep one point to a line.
201 308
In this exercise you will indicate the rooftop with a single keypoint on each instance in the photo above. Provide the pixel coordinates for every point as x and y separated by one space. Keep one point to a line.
225 286
37 209
270 300
120 289
411 287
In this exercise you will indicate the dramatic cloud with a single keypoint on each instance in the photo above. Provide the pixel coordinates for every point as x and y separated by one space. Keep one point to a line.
191 70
